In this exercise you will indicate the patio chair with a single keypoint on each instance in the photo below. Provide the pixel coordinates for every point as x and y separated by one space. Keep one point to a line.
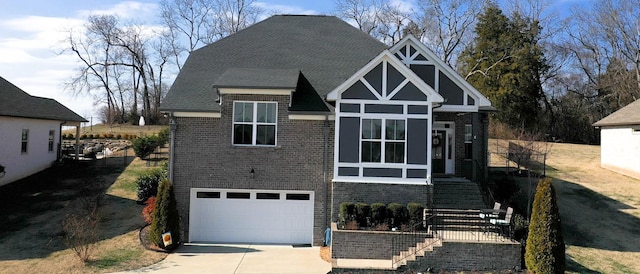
504 224
493 213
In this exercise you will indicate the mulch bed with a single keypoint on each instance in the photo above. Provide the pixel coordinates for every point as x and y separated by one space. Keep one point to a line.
143 234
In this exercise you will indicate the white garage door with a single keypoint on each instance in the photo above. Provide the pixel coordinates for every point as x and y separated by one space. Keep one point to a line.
251 216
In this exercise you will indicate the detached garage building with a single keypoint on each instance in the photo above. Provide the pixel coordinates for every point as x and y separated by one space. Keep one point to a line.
620 140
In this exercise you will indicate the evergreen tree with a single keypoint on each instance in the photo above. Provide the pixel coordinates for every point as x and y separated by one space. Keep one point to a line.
506 63
545 246
165 217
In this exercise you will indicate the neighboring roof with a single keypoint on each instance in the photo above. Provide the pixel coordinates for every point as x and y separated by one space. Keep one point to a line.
628 115
325 49
15 102
258 78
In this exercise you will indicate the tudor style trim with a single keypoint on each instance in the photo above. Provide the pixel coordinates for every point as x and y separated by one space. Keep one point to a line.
441 66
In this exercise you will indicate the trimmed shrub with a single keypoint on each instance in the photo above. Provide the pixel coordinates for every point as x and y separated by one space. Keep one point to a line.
125 136
165 217
545 251
397 214
347 212
144 146
90 136
363 214
416 213
147 211
63 136
378 214
163 136
118 136
83 136
148 183
70 136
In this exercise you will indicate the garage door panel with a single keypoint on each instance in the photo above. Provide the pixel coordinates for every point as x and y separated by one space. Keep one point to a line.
252 220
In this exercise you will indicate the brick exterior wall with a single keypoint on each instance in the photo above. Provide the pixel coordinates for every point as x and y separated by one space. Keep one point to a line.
451 256
376 193
204 157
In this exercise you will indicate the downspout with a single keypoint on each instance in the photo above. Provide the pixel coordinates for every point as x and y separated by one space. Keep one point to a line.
325 164
172 127
59 153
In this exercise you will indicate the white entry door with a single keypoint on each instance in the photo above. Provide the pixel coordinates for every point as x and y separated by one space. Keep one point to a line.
251 216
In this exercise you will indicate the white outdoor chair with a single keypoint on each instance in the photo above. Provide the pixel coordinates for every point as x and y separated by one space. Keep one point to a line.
505 223
493 213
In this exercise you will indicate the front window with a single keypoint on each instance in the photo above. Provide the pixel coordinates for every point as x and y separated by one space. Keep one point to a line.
25 140
377 147
254 123
468 141
51 138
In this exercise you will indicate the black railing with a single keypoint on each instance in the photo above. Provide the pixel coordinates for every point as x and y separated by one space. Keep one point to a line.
466 225
412 240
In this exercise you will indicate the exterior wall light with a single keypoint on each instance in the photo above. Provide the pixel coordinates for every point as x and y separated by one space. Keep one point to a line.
252 172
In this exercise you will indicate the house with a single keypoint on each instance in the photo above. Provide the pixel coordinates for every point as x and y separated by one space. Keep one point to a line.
274 126
620 140
30 130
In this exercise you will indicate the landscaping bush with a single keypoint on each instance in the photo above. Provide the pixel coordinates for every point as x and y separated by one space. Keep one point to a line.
378 214
347 212
163 136
81 234
147 211
118 136
165 217
70 136
363 213
83 136
397 214
416 213
144 146
148 183
545 250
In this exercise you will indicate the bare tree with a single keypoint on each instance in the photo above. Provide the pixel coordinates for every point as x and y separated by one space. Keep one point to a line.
448 25
365 14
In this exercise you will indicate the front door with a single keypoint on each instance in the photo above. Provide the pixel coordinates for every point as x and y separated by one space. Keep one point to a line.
442 148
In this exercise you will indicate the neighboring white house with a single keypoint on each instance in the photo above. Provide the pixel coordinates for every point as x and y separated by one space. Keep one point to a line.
620 140
30 131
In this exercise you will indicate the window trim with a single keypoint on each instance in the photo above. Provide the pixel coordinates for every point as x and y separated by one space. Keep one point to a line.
52 138
24 144
468 141
254 124
383 139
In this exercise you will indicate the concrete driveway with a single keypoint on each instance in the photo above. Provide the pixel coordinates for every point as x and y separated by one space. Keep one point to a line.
240 258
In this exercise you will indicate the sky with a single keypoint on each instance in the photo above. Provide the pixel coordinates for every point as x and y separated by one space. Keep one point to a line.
32 34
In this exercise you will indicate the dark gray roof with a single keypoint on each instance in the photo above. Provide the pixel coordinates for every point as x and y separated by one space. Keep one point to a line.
325 49
628 115
15 102
258 78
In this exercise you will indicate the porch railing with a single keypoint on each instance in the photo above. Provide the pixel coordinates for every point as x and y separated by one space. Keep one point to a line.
411 241
466 225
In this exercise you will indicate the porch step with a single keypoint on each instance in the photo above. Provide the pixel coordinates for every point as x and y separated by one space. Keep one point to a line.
414 252
457 193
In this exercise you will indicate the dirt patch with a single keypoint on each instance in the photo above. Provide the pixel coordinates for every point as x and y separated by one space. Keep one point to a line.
325 253
32 211
600 210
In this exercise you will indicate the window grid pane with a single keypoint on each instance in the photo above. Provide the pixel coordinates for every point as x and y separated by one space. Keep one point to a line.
254 123
25 140
51 139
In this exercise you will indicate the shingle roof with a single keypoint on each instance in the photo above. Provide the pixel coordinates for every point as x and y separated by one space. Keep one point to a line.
325 49
628 115
258 78
17 103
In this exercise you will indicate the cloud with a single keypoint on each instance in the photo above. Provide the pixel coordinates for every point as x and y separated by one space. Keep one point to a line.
284 9
125 10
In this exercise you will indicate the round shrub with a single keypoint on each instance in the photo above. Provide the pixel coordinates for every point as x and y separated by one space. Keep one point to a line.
347 212
118 136
378 213
363 213
148 183
70 136
84 136
416 213
144 146
397 214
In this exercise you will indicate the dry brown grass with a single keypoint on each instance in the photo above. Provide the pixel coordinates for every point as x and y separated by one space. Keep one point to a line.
117 129
600 210
325 253
34 244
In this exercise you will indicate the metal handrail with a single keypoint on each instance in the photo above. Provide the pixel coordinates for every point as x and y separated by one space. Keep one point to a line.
405 244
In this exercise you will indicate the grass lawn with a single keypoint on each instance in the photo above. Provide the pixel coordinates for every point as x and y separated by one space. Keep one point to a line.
32 211
600 210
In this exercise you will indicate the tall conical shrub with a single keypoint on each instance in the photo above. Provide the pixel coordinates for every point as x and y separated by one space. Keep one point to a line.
545 249
165 217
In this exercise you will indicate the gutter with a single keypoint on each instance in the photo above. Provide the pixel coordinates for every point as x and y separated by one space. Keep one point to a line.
172 127
59 153
325 164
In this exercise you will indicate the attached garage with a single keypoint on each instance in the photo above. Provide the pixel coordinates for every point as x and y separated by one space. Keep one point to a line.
251 216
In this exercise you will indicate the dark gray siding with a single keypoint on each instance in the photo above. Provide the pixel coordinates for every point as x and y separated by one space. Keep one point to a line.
417 141
451 92
350 108
410 93
358 91
397 109
426 72
374 77
382 172
394 78
349 140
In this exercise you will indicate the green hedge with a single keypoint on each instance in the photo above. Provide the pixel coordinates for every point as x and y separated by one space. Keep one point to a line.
379 215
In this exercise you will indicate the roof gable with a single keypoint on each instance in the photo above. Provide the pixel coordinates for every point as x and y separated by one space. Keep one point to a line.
458 94
15 102
628 115
385 78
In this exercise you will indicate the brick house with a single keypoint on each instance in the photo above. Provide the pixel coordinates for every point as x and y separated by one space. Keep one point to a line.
274 126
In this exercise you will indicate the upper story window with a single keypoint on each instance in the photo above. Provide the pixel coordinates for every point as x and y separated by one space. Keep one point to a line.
25 140
383 147
254 123
51 138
